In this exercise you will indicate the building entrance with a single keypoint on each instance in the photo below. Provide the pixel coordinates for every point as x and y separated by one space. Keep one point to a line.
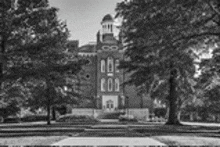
110 105
110 102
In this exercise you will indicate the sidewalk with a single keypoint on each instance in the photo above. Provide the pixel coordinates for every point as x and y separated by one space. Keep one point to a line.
110 141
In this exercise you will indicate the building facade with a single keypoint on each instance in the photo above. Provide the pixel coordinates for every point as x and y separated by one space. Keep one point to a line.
101 80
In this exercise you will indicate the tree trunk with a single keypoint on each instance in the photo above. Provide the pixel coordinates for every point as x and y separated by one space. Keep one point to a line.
48 114
53 113
141 101
173 101
2 51
48 105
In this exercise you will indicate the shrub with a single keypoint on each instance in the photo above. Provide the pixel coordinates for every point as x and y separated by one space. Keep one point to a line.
111 115
12 119
70 118
34 118
160 112
129 118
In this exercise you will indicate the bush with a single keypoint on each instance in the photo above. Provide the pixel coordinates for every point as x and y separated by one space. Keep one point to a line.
12 119
160 112
70 118
129 118
34 118
111 115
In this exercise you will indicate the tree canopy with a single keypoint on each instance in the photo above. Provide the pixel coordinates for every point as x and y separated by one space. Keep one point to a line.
34 51
160 38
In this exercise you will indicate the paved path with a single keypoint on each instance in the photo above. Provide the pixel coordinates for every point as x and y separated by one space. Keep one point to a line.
111 141
202 124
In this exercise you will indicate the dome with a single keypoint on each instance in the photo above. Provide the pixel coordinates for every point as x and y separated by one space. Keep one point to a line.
107 17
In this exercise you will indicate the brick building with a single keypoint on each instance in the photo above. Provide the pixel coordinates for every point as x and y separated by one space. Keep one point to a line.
101 80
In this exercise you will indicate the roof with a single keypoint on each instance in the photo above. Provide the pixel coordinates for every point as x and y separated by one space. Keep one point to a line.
88 48
107 17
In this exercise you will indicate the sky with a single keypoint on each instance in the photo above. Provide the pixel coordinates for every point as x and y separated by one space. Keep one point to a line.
84 17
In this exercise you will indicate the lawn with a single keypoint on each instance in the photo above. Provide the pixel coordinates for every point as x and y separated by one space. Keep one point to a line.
41 134
36 140
188 140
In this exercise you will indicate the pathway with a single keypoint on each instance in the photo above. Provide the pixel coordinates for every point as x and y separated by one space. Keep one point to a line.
110 141
109 135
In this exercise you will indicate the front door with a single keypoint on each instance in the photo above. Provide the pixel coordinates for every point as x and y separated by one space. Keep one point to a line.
109 102
110 105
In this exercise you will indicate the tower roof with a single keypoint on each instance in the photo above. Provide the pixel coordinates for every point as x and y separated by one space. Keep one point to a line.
107 17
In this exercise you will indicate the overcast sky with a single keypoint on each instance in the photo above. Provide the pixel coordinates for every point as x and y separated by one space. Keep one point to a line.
83 17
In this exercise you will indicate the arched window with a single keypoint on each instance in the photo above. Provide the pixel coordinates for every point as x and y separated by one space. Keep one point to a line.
102 84
116 66
111 28
102 65
109 84
117 85
110 64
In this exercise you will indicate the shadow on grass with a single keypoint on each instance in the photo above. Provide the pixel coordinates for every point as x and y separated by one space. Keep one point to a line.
195 130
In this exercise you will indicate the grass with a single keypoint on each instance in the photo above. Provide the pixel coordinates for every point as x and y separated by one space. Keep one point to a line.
188 140
153 130
37 140
188 134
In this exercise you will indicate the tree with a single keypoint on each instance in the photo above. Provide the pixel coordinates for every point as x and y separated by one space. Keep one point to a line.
210 80
159 38
33 44
13 96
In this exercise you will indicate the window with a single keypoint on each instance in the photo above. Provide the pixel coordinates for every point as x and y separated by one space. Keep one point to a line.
88 76
111 28
102 84
102 65
105 47
116 66
117 84
109 84
114 47
110 64
88 62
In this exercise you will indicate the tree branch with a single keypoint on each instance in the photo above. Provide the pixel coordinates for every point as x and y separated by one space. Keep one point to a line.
213 8
196 36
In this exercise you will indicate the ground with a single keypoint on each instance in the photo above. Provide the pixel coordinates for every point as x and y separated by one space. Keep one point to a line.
41 134
36 140
188 140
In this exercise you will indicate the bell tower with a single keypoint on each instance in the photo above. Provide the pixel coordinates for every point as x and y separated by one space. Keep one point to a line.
107 27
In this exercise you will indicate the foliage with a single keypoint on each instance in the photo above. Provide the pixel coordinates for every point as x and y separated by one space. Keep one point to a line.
110 115
34 118
33 44
12 119
160 37
70 118
13 96
160 112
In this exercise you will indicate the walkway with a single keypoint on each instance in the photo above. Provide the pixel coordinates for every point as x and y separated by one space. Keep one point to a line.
111 141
